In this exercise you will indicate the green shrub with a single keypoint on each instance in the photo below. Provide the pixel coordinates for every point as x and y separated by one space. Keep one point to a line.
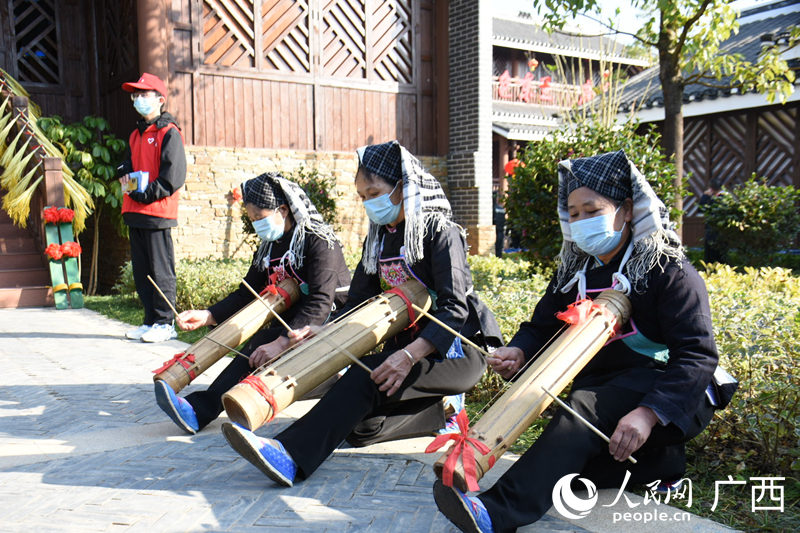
755 220
757 328
532 194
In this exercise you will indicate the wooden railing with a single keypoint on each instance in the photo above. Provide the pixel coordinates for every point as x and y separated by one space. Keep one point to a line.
540 92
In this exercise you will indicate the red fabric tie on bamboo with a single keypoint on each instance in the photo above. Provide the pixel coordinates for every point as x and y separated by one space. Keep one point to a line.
463 450
258 385
412 317
274 289
186 361
580 311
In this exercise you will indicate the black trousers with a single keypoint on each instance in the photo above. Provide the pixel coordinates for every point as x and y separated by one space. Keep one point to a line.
207 404
355 403
152 254
524 493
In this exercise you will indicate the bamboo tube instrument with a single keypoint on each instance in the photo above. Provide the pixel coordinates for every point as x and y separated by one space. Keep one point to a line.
184 367
554 369
256 400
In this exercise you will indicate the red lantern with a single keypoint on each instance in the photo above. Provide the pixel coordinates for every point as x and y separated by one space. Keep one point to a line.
533 63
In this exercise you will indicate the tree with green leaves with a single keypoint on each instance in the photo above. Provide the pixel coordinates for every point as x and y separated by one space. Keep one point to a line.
93 153
687 36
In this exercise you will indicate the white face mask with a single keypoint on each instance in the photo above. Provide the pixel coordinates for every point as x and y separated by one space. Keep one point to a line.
147 105
268 228
596 235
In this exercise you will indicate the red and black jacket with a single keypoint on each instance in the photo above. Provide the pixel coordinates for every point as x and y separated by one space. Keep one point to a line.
155 147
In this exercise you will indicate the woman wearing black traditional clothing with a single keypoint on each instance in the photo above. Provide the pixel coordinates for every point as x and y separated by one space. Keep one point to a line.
649 388
411 234
295 243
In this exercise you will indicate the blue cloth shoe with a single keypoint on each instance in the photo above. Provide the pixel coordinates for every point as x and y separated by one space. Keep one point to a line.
452 406
268 455
467 513
179 410
669 486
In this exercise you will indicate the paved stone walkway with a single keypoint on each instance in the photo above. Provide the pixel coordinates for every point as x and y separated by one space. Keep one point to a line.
83 447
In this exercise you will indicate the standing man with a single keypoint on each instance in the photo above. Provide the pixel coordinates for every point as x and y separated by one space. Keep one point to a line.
151 209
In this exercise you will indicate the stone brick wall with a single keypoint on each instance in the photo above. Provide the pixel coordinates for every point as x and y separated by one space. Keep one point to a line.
209 222
469 162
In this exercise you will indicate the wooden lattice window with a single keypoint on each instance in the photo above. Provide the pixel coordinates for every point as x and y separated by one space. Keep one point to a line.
36 41
392 45
367 40
285 37
360 39
229 33
776 145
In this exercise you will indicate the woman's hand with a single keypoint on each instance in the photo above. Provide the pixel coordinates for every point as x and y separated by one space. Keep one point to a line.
506 361
392 372
632 431
296 336
194 318
267 352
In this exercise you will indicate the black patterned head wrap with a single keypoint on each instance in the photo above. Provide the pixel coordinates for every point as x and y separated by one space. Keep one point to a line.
270 191
606 174
384 160
263 191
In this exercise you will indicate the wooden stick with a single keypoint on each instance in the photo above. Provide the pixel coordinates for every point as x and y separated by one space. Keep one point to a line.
451 330
341 349
163 296
269 307
234 350
588 424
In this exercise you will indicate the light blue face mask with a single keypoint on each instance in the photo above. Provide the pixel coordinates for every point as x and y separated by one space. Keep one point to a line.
146 105
268 229
596 235
381 210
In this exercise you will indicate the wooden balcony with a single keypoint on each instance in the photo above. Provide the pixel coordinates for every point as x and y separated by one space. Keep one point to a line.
540 92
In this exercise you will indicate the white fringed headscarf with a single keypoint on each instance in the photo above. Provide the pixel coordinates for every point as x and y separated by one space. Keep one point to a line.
261 192
424 202
613 175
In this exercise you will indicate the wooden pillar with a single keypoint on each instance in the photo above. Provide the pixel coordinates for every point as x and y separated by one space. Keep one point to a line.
153 38
53 182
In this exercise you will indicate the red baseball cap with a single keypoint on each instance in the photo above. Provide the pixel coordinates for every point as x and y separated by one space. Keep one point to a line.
147 82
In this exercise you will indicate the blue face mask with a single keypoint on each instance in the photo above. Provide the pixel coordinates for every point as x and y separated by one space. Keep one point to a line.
268 229
596 235
381 210
146 105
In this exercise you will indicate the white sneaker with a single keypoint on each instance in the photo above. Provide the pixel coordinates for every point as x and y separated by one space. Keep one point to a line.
160 333
136 334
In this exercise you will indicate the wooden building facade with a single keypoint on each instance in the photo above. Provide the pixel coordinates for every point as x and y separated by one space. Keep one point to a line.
317 75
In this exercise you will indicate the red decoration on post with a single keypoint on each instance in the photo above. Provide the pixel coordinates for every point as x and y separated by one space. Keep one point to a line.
51 215
71 249
65 215
53 251
463 450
